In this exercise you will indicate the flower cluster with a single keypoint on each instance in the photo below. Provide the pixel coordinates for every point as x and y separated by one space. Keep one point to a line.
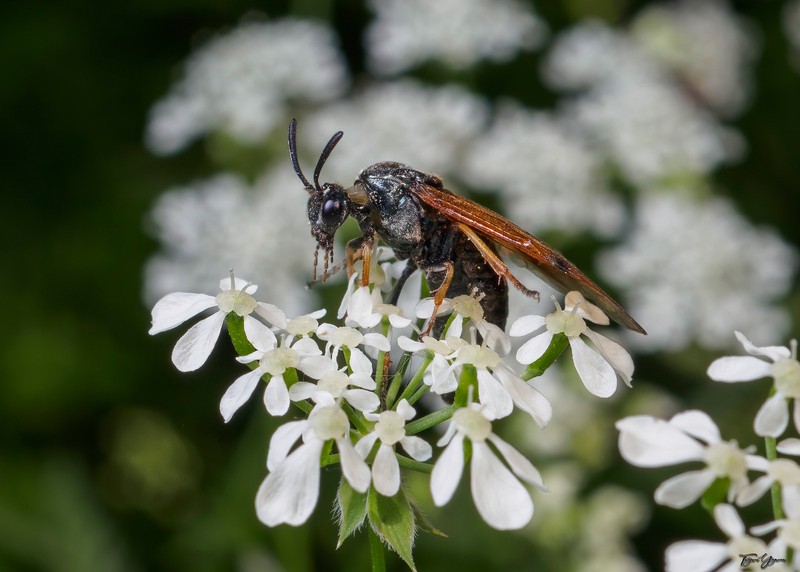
360 413
692 436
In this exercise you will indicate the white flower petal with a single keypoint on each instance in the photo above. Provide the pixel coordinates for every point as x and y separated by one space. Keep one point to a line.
525 397
493 395
360 303
289 493
238 284
697 424
645 441
397 321
238 393
534 348
405 410
410 345
596 373
521 466
791 501
306 347
386 472
302 390
796 414
772 352
493 337
728 520
695 555
417 448
364 445
174 309
525 325
754 491
614 354
447 471
682 490
377 341
276 396
362 399
440 376
271 314
360 363
283 440
354 469
316 366
193 348
738 368
773 417
502 501
259 334
789 446
762 529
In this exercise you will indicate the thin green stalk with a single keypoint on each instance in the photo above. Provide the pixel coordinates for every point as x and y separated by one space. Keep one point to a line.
376 551
415 382
423 389
381 381
418 466
397 379
430 420
557 345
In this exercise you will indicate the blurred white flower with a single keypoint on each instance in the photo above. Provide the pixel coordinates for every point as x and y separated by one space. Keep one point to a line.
694 270
788 528
193 348
706 44
240 82
791 24
634 111
547 175
289 493
425 127
390 430
784 472
224 222
645 441
704 556
597 367
502 501
782 366
458 33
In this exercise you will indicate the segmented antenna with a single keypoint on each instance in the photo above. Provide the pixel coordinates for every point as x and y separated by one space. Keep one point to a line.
322 158
335 138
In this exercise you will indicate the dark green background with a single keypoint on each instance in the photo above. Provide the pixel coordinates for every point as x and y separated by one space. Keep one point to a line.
112 460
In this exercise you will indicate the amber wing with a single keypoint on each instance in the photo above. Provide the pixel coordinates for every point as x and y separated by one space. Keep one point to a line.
545 261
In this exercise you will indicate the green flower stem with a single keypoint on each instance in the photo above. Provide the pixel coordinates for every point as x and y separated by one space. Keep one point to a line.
415 382
557 345
397 379
376 551
381 382
329 459
430 420
469 378
423 389
357 420
412 464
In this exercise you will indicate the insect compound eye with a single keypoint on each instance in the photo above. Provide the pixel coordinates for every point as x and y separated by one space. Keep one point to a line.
334 207
331 211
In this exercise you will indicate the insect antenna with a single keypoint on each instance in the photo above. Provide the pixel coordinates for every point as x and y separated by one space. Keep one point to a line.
293 156
324 156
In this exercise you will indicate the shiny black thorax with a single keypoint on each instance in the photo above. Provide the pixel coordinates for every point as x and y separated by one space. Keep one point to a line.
418 233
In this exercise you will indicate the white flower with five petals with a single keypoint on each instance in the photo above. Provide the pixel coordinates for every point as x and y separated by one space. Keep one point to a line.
302 354
645 441
193 348
390 430
781 364
337 384
501 500
597 368
289 493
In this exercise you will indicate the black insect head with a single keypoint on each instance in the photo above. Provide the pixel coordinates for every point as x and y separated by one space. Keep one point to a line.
328 204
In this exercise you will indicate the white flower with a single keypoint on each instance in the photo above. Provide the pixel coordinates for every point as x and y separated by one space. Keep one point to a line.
773 417
301 354
788 528
502 501
240 83
459 33
438 375
350 338
366 309
704 556
645 441
467 308
289 493
390 430
782 471
335 383
695 270
193 348
598 368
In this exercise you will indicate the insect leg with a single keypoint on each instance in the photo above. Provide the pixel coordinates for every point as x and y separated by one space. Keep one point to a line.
411 266
352 253
441 291
493 260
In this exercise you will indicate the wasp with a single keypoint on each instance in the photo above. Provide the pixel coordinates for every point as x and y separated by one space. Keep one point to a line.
456 242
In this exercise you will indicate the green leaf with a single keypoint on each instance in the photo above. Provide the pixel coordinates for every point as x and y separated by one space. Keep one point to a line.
235 325
352 510
423 523
392 518
715 494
